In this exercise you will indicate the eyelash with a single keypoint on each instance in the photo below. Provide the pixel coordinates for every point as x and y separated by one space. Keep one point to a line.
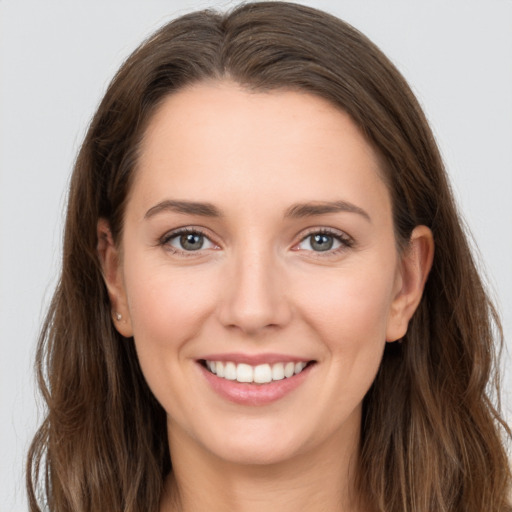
346 242
166 239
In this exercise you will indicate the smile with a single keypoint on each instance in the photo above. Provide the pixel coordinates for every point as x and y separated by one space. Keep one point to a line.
254 380
260 374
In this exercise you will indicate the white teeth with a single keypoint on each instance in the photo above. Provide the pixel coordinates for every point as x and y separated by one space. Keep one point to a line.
299 367
260 374
289 370
278 371
230 371
244 373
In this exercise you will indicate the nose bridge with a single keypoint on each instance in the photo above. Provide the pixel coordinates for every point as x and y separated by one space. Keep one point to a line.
255 298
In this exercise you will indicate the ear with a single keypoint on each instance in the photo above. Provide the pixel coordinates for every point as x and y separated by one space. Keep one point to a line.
415 265
113 276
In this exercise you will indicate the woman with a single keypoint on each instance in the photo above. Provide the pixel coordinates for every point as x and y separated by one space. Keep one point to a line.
251 315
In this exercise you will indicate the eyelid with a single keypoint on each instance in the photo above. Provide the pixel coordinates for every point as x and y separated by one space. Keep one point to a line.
345 240
173 233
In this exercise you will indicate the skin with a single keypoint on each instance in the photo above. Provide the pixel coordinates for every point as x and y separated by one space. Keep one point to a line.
258 286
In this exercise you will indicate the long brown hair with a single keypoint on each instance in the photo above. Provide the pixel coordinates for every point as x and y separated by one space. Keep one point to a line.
432 440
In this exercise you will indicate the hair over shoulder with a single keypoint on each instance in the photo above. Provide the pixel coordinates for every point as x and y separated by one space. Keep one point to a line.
432 436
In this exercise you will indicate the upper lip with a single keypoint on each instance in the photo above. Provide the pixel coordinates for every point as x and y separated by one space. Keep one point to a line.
254 359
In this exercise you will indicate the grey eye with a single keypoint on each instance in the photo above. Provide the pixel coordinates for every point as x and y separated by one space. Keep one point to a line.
320 242
190 241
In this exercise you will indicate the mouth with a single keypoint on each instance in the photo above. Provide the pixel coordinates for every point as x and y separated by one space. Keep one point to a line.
255 374
255 379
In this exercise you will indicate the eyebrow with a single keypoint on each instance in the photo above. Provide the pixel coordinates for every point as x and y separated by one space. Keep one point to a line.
185 207
301 210
296 211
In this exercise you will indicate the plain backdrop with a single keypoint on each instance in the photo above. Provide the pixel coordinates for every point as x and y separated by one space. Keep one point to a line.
56 59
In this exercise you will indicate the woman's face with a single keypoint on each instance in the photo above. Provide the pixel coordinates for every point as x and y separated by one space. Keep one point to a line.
258 238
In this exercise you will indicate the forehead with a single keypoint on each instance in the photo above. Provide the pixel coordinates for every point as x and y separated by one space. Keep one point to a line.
218 138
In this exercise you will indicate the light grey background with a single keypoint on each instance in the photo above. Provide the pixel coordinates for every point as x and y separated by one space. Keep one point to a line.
56 59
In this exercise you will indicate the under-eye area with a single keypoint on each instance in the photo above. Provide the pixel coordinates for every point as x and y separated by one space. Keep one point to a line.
255 374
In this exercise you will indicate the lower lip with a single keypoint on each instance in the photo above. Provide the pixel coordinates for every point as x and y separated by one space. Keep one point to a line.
254 394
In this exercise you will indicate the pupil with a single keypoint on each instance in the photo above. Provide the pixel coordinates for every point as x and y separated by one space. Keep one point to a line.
191 241
322 242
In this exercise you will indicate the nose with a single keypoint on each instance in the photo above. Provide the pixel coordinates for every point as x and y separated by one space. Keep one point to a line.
254 298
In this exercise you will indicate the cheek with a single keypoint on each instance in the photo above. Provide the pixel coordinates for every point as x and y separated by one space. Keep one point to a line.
349 314
166 304
168 307
350 306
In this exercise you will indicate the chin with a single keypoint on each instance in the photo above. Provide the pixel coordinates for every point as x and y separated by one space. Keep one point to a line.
254 455
258 445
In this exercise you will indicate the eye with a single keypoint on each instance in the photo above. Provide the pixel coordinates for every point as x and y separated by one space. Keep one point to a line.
324 241
187 240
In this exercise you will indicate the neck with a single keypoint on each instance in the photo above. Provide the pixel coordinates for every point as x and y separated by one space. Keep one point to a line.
320 480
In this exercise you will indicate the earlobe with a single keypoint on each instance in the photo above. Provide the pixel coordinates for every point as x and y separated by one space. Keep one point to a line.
109 257
415 266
